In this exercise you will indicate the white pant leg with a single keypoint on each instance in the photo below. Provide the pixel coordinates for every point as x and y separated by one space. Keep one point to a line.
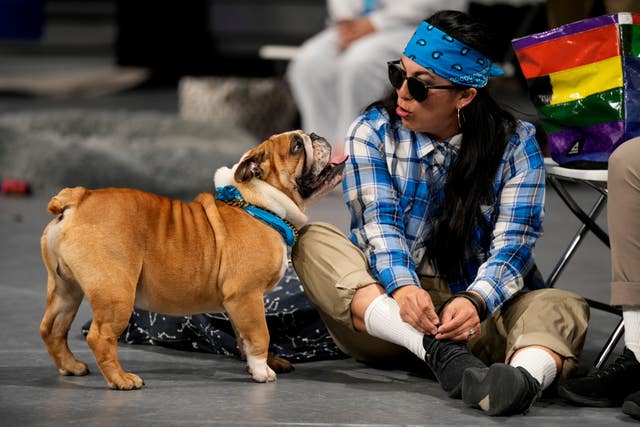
363 77
311 76
331 88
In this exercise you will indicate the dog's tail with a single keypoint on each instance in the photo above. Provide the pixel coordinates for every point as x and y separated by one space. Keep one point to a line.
66 198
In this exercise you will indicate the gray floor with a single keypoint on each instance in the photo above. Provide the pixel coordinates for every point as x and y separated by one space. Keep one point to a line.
197 389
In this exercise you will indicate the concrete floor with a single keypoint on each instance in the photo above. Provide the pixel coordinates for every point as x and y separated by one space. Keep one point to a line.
184 388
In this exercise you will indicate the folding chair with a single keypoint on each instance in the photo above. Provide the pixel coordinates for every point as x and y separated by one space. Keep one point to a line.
596 179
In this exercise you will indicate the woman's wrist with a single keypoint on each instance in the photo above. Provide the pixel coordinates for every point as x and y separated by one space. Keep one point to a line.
476 300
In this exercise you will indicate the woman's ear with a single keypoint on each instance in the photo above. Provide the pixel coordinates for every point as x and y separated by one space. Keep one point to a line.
466 96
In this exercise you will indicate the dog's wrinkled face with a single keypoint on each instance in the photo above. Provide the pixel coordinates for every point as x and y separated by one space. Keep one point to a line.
296 163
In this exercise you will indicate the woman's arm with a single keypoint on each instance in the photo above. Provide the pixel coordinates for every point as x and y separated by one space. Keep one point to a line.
377 224
373 202
520 210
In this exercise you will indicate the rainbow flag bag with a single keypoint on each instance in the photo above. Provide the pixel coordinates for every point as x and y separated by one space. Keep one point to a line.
584 80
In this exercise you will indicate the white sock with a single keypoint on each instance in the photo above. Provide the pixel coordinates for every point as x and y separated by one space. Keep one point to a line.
631 317
538 363
382 319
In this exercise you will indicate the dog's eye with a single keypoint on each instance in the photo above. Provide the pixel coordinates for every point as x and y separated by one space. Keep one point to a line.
297 145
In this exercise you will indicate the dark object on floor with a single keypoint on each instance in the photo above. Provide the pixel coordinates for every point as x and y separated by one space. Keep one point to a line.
296 330
605 387
500 389
631 405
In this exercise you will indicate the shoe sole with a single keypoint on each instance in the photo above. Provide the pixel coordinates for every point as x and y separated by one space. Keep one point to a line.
584 400
491 390
632 409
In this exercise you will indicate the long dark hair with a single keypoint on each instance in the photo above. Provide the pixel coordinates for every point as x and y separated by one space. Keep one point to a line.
486 129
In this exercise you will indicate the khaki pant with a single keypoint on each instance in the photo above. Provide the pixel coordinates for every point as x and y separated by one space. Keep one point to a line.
623 213
331 269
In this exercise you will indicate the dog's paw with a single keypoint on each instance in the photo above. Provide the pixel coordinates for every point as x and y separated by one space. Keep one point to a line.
77 368
125 381
259 370
263 375
278 364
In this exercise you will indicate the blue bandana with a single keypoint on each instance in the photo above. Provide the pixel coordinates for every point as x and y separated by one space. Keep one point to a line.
449 58
230 194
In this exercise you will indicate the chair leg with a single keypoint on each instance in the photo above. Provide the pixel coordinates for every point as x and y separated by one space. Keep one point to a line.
609 345
588 220
582 231
566 256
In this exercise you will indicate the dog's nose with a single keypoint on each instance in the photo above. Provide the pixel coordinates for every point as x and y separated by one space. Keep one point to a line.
314 136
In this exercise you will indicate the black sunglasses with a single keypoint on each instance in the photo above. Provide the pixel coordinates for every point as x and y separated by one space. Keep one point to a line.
417 88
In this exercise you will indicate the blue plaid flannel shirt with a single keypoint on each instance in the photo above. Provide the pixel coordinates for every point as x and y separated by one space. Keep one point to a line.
386 192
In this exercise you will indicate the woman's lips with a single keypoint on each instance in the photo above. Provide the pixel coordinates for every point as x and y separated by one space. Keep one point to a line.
401 112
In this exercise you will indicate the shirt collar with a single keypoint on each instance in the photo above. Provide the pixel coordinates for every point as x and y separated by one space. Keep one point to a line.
427 144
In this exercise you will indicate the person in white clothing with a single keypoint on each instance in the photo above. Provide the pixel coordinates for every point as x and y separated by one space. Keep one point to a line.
341 70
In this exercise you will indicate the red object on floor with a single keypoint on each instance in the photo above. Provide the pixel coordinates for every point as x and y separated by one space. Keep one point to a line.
15 186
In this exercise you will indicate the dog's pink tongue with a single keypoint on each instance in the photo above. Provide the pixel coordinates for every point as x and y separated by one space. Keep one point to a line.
339 159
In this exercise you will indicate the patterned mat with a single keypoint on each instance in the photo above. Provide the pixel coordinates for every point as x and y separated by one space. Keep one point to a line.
296 330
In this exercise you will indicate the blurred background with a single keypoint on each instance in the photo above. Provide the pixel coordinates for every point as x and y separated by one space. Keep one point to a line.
198 37
204 77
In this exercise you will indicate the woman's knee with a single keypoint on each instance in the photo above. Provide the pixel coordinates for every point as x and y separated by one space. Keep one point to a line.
314 235
564 309
331 268
560 297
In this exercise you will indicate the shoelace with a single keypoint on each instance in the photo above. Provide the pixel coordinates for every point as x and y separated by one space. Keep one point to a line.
618 367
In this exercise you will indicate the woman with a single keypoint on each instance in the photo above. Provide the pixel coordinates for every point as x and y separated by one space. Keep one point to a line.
445 191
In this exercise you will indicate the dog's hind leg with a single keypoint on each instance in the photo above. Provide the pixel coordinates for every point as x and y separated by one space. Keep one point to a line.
63 299
112 308
248 318
278 364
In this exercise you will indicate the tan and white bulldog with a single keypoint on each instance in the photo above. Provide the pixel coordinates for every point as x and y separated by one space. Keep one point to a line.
124 248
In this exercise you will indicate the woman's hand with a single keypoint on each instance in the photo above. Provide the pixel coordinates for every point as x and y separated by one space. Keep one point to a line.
416 308
460 321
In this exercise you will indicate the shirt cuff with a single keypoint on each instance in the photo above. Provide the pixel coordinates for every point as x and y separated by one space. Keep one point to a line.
488 293
393 278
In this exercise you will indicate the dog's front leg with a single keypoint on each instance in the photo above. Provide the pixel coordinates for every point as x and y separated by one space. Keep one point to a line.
250 324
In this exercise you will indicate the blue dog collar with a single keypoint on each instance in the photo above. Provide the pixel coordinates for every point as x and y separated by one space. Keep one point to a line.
230 195
447 57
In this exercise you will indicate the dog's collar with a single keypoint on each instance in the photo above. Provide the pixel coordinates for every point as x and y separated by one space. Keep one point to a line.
231 196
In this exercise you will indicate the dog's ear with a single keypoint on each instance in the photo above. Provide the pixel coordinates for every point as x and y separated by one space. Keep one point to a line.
250 167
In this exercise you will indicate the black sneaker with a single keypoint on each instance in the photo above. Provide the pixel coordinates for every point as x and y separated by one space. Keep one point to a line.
605 387
448 360
500 389
631 405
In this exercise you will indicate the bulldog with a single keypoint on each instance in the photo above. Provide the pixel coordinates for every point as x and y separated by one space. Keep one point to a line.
125 248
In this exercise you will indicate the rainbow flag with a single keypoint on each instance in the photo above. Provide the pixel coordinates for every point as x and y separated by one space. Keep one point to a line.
584 80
